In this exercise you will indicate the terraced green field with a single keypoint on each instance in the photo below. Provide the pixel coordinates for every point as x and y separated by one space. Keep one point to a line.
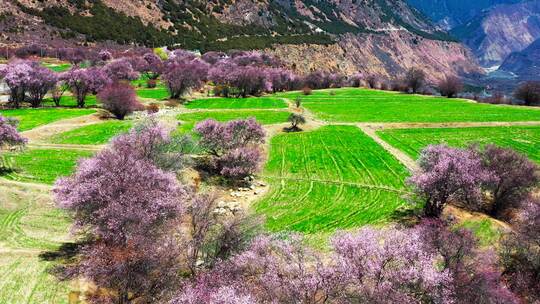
31 118
332 178
44 165
363 105
265 117
29 225
97 134
237 103
525 139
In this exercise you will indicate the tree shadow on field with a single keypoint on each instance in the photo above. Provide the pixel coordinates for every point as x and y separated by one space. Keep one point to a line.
407 216
65 253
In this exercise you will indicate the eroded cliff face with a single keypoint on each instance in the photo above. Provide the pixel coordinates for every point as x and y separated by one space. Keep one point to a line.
524 64
501 31
382 37
388 56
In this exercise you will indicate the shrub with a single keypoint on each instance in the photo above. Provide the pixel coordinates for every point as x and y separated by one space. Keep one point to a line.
58 91
448 174
415 79
239 163
295 120
17 75
85 81
151 83
120 99
298 102
30 77
9 136
372 81
317 80
281 79
514 177
126 209
520 253
152 108
476 277
41 81
496 98
356 80
105 55
249 80
213 57
232 146
306 91
182 76
120 69
370 266
154 66
450 86
528 92
221 90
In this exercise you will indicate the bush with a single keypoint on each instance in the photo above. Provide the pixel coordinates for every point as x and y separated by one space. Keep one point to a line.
448 174
372 81
233 146
151 83
415 79
120 99
450 86
85 81
295 120
182 76
495 98
528 92
306 91
298 102
514 177
152 108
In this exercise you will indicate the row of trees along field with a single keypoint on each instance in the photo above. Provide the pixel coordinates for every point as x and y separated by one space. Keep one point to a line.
236 74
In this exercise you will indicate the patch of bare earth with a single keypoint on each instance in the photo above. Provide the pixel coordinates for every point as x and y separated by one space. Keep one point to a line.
43 132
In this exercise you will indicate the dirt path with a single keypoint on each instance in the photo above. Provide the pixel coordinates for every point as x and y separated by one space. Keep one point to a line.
43 132
25 185
402 157
407 125
91 148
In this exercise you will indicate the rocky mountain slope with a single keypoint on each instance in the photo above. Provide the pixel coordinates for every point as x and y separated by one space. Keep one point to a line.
452 13
375 36
524 64
500 31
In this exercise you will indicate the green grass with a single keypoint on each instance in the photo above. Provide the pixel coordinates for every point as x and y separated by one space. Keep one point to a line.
483 230
70 101
332 178
525 139
97 134
62 67
237 103
31 118
262 116
363 105
43 165
157 93
29 225
142 82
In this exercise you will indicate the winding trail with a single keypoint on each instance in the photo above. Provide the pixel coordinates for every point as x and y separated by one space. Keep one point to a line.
42 133
398 154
